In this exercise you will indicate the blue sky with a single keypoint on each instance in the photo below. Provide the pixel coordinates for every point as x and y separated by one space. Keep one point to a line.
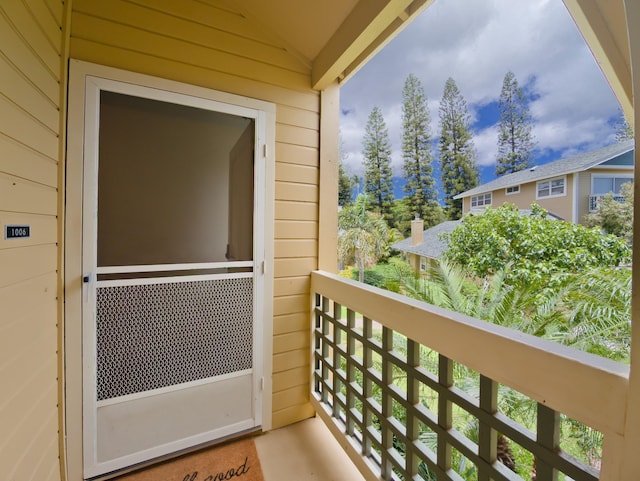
476 43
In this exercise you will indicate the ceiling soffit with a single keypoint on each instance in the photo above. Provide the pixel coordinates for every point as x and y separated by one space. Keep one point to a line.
334 38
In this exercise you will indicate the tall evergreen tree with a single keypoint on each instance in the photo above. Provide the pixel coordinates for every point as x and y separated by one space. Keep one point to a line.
377 164
346 183
515 140
455 148
416 153
345 186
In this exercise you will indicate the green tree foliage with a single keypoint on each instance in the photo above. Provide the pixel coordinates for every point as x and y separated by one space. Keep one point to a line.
615 217
377 164
596 312
402 216
416 153
455 148
346 184
624 131
537 247
515 140
364 236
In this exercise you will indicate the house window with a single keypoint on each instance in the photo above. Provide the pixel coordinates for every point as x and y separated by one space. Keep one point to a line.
514 189
608 184
423 264
481 200
551 188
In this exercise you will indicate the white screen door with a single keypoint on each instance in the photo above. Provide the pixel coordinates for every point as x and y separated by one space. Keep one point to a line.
172 273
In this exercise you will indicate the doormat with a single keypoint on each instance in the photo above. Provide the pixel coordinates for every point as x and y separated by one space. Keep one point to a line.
237 461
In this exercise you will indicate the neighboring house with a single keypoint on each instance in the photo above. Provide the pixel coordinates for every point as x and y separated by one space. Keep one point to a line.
207 110
425 247
568 188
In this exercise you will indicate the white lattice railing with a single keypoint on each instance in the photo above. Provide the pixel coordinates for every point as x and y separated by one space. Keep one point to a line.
384 383
594 200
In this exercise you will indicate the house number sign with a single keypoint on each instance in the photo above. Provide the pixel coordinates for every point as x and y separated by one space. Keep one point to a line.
17 231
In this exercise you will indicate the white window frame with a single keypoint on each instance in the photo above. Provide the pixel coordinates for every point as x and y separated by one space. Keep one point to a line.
550 187
608 176
423 264
481 200
515 189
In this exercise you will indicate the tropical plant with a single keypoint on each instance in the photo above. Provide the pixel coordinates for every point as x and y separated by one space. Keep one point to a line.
613 216
363 235
540 250
596 306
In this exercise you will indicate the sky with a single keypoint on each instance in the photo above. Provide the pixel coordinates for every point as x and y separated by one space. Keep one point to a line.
476 42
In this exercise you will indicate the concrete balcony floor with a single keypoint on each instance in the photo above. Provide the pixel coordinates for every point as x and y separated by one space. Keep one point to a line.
305 451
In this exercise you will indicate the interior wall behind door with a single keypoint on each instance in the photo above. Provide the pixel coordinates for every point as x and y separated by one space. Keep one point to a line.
152 154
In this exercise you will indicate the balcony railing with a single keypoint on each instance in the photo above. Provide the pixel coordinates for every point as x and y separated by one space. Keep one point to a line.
386 380
594 200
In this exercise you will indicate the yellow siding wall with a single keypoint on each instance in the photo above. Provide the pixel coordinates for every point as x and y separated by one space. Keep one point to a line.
30 66
561 206
206 44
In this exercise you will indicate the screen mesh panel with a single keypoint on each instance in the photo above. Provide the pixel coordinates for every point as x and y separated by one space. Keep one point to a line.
159 335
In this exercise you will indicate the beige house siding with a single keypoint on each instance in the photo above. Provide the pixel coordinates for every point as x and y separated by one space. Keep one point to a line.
211 46
30 66
561 206
414 261
524 199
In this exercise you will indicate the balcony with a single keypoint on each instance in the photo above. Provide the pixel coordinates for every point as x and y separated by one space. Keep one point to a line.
385 381
594 200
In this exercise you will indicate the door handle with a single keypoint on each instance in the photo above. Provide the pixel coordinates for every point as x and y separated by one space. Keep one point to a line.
86 279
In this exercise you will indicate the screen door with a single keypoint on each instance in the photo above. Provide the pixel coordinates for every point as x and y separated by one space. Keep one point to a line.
171 250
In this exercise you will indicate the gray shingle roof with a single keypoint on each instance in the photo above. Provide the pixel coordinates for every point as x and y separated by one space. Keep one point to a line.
432 246
553 169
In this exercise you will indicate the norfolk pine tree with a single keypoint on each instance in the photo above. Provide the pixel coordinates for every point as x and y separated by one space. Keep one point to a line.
345 182
515 141
416 153
345 186
455 148
377 165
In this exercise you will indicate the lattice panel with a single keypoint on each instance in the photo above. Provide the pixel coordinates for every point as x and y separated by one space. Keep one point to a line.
398 402
159 335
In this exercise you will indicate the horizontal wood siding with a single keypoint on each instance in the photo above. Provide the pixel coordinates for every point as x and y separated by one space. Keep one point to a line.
30 65
211 45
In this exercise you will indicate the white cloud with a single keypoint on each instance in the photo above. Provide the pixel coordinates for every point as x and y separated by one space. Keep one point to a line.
486 146
476 43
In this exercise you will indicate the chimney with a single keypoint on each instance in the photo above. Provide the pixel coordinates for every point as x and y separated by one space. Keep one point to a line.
417 231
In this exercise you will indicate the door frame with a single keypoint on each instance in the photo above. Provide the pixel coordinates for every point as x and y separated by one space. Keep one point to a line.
80 74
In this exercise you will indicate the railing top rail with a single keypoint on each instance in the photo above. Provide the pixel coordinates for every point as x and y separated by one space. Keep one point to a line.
585 387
